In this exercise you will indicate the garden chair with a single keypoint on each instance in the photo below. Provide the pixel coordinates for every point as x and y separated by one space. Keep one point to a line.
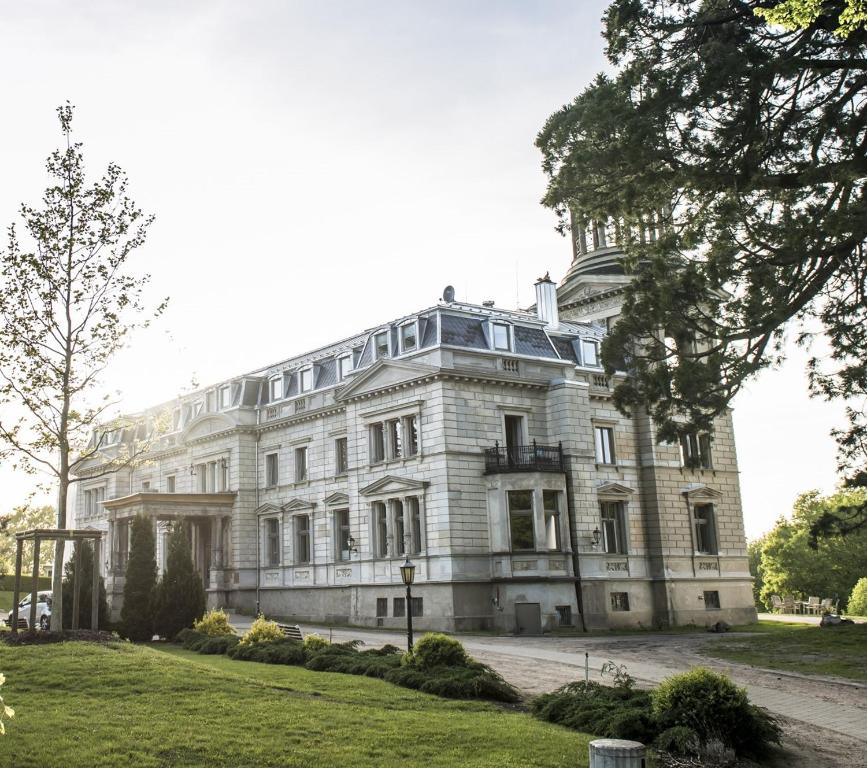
813 605
776 604
827 606
789 604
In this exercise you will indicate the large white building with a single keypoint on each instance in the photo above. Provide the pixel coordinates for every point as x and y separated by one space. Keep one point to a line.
480 442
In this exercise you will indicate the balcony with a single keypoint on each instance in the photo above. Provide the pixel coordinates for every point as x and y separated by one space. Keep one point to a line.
524 458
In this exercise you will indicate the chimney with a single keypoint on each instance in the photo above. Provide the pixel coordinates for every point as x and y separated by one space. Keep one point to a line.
546 301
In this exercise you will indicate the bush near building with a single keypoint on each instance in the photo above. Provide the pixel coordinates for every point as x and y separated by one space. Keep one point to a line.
180 595
215 623
857 605
137 612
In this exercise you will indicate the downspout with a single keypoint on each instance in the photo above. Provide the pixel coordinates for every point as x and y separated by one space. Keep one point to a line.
573 540
258 534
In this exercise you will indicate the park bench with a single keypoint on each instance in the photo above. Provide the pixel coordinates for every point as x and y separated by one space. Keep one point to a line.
291 631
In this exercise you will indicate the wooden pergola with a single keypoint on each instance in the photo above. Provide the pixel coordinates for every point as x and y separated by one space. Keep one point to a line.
37 535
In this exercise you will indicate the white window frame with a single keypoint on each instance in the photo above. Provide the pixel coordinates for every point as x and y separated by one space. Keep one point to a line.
340 554
620 545
341 374
275 537
376 355
530 513
553 520
302 464
275 382
224 397
380 533
403 349
606 449
171 483
595 345
308 385
307 538
696 451
272 469
709 525
510 343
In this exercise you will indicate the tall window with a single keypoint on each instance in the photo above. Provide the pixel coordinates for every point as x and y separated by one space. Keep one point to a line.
225 396
521 520
341 534
414 510
380 344
380 527
302 539
341 456
613 527
276 388
551 503
395 439
92 500
399 527
271 475
410 435
705 529
377 442
223 472
408 338
344 366
501 337
170 483
695 450
272 527
604 437
300 464
590 353
306 379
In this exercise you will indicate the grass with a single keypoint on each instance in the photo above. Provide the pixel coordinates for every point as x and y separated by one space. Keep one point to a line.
803 648
80 704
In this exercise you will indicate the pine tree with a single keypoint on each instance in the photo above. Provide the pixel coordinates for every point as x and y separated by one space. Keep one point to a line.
137 613
180 595
85 594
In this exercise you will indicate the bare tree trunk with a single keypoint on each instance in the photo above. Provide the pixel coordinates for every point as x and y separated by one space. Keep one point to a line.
57 576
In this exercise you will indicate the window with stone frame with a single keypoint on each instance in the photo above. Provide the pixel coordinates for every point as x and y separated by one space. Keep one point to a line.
272 476
705 529
613 517
417 606
272 541
604 439
381 345
302 539
275 388
410 435
342 534
344 366
399 528
711 600
551 506
376 436
341 456
590 353
695 450
93 498
414 512
395 438
521 521
501 334
225 396
380 528
381 607
301 464
619 601
170 483
398 609
306 379
408 336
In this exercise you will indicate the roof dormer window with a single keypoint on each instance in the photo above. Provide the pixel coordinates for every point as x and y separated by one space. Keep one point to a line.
275 388
306 378
344 366
590 353
501 336
225 396
380 344
408 337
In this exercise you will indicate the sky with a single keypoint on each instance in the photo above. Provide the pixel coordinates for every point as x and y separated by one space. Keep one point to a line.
318 167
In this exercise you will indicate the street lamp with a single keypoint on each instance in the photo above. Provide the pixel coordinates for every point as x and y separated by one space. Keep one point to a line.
407 573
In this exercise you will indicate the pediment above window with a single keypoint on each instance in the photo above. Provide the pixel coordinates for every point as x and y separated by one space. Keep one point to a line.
298 505
391 484
336 498
207 424
383 374
614 491
699 491
268 509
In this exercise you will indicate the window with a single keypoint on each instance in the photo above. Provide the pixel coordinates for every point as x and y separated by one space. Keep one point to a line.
521 520
344 366
410 436
225 396
398 527
381 607
604 437
705 530
398 607
92 499
211 401
501 337
415 524
176 419
619 601
613 527
564 615
380 344
417 606
146 485
300 464
306 379
408 337
341 534
211 472
341 456
271 475
272 547
695 450
711 600
302 539
170 483
377 442
276 388
380 527
590 353
551 504
395 439
224 475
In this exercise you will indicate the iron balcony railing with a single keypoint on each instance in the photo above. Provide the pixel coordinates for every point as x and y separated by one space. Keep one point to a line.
524 458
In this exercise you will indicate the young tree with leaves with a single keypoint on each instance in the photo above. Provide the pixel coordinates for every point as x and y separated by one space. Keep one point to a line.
139 587
67 304
741 147
85 588
180 596
23 518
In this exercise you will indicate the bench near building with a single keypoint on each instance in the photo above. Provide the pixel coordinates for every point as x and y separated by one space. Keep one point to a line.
480 442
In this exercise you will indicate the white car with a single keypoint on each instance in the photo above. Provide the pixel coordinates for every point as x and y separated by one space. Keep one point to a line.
43 611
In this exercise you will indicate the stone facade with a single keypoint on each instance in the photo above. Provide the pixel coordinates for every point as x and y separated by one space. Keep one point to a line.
481 443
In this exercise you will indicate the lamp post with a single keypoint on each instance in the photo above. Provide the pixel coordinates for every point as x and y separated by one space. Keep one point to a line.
407 573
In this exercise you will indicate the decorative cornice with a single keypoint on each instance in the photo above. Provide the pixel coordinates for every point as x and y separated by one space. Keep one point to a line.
225 498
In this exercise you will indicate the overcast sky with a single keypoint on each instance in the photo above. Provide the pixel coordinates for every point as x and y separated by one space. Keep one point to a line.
318 167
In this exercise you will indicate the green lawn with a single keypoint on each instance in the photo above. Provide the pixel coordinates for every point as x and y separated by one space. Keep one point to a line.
804 648
79 704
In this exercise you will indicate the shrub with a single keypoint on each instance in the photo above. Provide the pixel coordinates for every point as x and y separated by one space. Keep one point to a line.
715 708
215 623
262 631
437 650
279 651
315 643
406 677
190 639
137 611
857 605
678 740
218 645
617 713
180 596
85 594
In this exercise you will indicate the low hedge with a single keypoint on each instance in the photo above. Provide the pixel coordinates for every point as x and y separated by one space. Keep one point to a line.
283 651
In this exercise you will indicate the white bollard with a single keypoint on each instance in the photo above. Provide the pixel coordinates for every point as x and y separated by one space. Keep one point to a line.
616 753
